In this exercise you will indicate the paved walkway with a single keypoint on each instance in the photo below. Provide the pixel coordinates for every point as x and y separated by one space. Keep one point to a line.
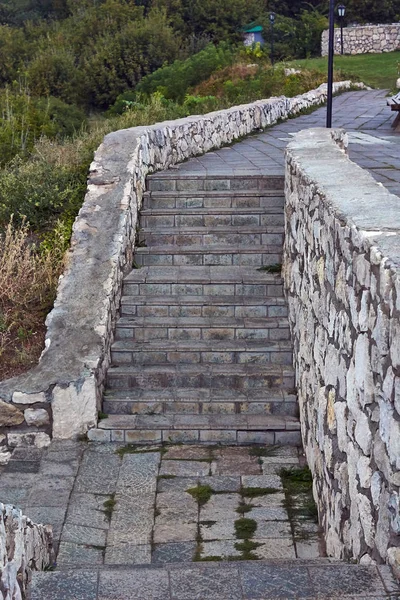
364 114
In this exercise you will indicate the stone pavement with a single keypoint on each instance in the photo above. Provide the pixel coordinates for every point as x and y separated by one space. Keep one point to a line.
181 523
364 114
123 505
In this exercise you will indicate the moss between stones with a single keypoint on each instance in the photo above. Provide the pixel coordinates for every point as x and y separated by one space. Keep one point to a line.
246 548
201 493
245 528
109 506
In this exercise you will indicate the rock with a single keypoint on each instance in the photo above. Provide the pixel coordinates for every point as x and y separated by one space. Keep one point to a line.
22 398
4 457
10 415
398 83
36 417
39 439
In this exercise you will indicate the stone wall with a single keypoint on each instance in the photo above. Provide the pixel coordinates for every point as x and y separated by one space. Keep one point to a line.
24 547
360 40
342 281
68 382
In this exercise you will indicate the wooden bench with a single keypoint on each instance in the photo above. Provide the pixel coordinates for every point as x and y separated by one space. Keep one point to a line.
394 103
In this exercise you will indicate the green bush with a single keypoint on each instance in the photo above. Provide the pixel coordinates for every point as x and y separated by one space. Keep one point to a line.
173 81
24 119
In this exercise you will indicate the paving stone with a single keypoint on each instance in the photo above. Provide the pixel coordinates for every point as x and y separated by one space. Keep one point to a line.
87 510
21 466
205 583
78 555
262 481
138 474
236 461
49 467
47 515
176 483
220 507
63 585
264 582
98 473
220 483
219 530
175 531
273 513
334 581
174 553
224 549
308 549
128 554
267 501
184 468
186 453
143 584
272 529
76 534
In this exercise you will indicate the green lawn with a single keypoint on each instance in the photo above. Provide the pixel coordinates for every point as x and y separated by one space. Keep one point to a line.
376 70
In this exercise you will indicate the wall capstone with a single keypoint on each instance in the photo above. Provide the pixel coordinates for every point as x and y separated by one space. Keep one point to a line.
342 281
360 40
69 379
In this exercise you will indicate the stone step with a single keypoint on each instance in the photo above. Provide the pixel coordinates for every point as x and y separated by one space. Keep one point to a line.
207 429
218 255
184 401
142 329
194 351
222 217
244 378
171 182
249 236
252 199
286 579
202 281
204 306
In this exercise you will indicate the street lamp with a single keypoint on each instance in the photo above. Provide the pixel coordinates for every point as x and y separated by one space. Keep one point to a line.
272 21
330 62
341 12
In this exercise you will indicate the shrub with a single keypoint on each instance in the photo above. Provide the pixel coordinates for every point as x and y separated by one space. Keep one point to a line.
28 281
173 81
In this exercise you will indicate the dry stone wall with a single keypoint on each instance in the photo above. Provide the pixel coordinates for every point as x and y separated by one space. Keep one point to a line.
61 396
24 547
342 280
360 40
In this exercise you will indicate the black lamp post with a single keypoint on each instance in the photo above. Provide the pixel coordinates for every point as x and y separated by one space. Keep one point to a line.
341 12
272 21
330 62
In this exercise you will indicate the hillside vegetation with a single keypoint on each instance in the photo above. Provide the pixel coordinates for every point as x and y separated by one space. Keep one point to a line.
73 70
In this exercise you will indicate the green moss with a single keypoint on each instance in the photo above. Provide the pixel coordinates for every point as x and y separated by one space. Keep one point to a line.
109 506
101 415
246 548
133 449
245 528
201 493
297 480
244 508
160 477
253 492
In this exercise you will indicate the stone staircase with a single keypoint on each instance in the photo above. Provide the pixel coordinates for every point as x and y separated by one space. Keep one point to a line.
202 349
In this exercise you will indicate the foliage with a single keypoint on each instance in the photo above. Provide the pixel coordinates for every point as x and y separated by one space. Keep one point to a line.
174 80
24 119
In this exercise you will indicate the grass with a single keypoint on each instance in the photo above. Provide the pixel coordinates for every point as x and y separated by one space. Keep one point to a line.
376 70
299 501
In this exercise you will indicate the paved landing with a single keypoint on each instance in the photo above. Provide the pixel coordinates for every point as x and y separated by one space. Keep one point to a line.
364 114
119 505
